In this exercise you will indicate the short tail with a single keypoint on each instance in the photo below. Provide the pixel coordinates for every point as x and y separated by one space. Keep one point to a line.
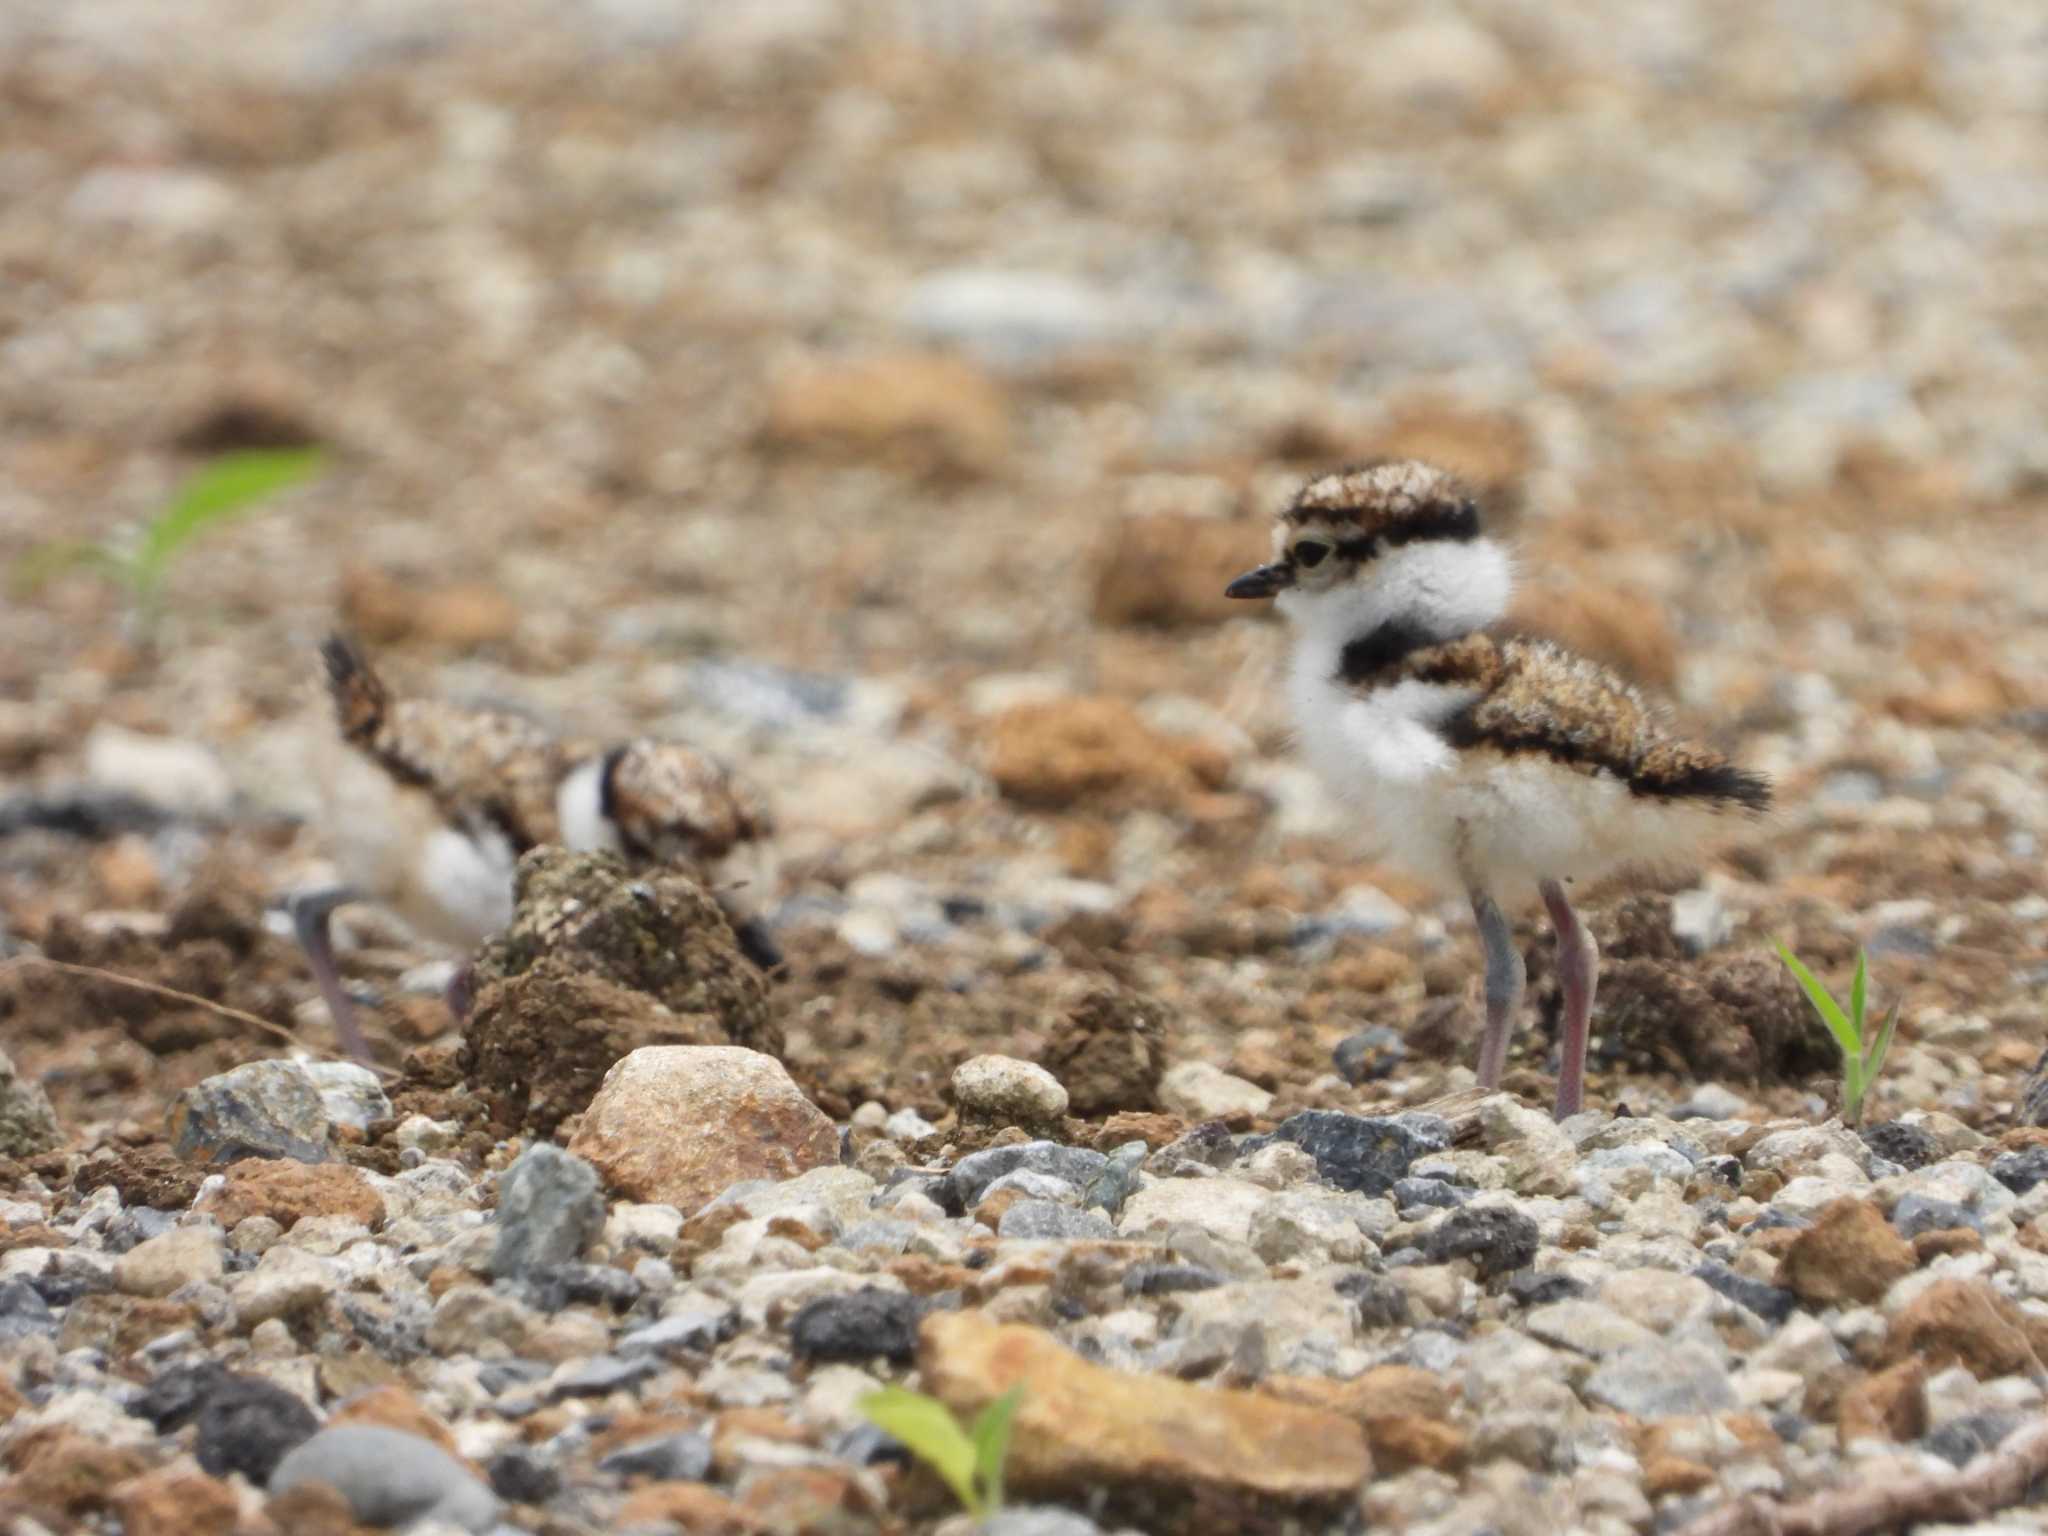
1703 778
360 697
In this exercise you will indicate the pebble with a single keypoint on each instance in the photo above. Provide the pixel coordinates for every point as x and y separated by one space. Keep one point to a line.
1368 1154
351 1095
246 1424
969 1178
28 1125
1661 1380
23 1312
1198 1091
2021 1171
1496 1239
1002 1090
862 1325
261 1109
163 1264
389 1478
550 1208
1040 1220
666 1458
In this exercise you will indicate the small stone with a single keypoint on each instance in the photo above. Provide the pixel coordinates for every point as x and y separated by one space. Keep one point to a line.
185 1256
1368 1154
1712 1101
28 1125
1117 1182
394 1407
1037 1520
247 1425
2021 1171
1659 1380
1527 1288
350 1093
1915 1214
285 1192
1220 1207
1168 1279
1889 1404
1588 1327
1850 1254
23 1312
1369 1055
1196 1090
682 1458
688 1507
697 1330
520 1476
550 1208
1659 1299
1496 1238
1910 1146
1961 1441
1046 1220
261 1109
1082 1428
176 1501
389 1477
601 1375
969 1179
1001 1090
1770 1302
677 1125
861 1325
1964 1322
285 1282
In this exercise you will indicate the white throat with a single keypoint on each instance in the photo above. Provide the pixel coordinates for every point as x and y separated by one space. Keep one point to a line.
1440 588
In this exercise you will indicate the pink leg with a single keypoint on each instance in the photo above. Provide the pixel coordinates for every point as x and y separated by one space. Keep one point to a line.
1578 972
311 912
1504 983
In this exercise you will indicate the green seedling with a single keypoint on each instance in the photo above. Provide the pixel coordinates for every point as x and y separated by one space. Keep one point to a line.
1863 1053
969 1461
225 488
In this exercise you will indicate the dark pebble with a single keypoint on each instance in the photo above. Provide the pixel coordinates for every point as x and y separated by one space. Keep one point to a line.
602 1374
1497 1238
520 1477
1910 1146
246 1425
858 1326
1957 1441
589 1285
1381 1303
60 1287
1728 1170
170 1401
973 1174
23 1312
1915 1214
666 1458
498 1377
1369 1055
1365 1153
1435 1193
1526 1288
867 1445
2021 1171
1168 1279
1773 1217
1771 1303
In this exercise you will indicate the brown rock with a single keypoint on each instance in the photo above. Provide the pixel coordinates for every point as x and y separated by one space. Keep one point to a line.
1108 1051
690 1507
921 411
1849 1254
1401 1442
1198 1458
1929 1246
1096 752
597 964
1170 569
1674 1474
1383 1391
148 1175
1155 1130
805 1501
1891 1404
64 1474
314 1509
678 1124
176 1501
1963 1322
120 1325
285 1191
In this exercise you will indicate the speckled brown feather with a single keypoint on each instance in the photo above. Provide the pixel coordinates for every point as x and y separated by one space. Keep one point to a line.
482 767
1388 499
669 801
1534 697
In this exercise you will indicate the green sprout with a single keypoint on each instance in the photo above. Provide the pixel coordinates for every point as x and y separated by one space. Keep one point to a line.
970 1462
224 488
1862 1052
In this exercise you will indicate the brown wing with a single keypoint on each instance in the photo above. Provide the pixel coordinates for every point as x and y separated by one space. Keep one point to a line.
480 766
1535 697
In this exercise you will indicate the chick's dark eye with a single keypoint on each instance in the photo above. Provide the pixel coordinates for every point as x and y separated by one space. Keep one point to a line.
1310 553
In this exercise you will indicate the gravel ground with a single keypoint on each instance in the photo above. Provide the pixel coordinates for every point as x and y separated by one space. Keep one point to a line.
879 395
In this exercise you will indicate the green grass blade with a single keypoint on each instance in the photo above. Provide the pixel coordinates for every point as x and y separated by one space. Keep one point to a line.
228 487
1881 1044
930 1433
992 1446
1824 1004
1859 987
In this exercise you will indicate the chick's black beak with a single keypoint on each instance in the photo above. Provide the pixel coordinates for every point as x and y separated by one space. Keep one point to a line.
1263 582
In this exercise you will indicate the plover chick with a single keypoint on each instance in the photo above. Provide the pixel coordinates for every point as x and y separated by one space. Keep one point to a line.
1486 763
476 788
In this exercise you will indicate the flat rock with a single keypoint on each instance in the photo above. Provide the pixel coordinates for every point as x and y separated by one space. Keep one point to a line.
1367 1153
1850 1254
1658 1380
1083 1428
287 1191
261 1109
159 1266
550 1208
389 1477
678 1125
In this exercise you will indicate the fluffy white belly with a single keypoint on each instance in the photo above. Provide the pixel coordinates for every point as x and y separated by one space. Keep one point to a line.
1456 818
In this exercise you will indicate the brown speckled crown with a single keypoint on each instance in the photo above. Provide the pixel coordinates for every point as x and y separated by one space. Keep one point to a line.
1387 501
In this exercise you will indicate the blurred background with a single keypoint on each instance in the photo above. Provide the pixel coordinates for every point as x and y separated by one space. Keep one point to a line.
880 393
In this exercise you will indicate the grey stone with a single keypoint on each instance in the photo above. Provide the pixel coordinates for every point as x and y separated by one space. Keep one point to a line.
1914 1214
600 1375
1033 1185
2021 1171
28 1125
23 1312
1367 1153
1118 1180
261 1109
1030 1520
697 1329
389 1477
1049 1219
1770 1302
1496 1238
550 1208
964 1186
1960 1440
666 1458
247 1425
1659 1380
351 1094
859 1326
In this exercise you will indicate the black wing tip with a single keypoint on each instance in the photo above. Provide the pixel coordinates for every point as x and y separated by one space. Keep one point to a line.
344 658
1723 783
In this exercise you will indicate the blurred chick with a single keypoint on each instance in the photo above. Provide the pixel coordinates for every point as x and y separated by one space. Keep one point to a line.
479 787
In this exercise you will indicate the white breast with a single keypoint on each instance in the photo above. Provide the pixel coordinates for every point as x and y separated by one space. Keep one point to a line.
579 807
